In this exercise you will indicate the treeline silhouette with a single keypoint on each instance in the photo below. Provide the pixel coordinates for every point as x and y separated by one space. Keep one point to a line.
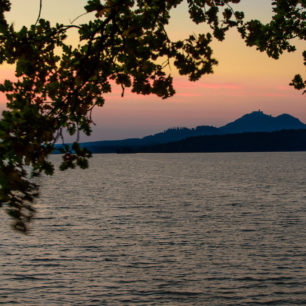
286 140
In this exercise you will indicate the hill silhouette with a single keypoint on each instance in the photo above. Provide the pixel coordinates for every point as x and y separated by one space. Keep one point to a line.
256 121
260 122
286 140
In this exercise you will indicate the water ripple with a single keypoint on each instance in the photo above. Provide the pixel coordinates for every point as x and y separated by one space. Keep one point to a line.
172 229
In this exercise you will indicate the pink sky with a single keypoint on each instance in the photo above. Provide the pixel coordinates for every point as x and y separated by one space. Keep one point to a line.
245 80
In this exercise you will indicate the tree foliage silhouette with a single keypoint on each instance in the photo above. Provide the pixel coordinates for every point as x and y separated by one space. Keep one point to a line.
126 43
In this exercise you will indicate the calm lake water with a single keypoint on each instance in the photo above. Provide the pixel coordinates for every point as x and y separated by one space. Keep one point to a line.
164 229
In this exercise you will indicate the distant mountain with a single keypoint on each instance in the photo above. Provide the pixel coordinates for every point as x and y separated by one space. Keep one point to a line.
260 122
180 133
253 122
285 140
173 134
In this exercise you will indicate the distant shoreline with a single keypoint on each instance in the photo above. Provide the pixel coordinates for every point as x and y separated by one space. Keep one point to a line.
279 141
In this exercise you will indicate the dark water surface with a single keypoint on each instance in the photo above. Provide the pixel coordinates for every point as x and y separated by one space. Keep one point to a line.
172 229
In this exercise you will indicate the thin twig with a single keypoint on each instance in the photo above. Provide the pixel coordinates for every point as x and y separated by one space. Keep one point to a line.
39 13
123 89
76 18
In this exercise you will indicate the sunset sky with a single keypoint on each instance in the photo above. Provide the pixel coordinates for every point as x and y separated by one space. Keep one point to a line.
245 80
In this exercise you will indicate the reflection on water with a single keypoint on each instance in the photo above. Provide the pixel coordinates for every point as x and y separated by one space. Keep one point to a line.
174 229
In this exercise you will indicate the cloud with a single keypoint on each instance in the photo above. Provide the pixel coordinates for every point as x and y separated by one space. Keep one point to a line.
185 84
231 86
186 94
284 88
271 94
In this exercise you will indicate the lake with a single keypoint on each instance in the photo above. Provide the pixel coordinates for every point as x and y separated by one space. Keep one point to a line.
164 229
